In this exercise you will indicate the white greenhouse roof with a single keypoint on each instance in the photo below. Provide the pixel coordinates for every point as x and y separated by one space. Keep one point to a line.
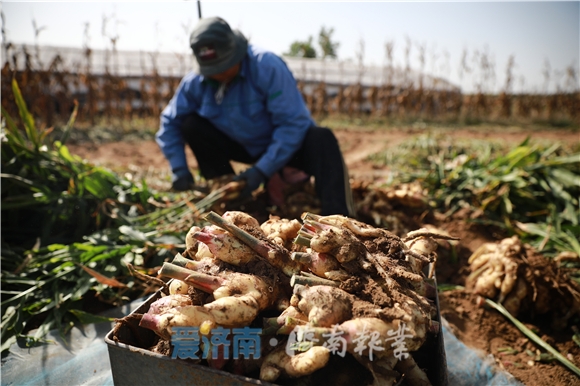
141 63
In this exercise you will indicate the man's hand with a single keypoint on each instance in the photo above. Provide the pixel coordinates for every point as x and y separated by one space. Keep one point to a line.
253 177
181 179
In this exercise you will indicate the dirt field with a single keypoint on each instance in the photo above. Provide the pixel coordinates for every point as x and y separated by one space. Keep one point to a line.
356 145
477 327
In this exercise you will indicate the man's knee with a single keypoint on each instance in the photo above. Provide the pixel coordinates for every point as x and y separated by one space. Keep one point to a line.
319 136
194 125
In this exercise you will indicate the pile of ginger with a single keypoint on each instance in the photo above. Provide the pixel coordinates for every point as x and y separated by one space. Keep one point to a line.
300 283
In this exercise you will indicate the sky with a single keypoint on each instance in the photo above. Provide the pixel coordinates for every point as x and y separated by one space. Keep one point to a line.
539 36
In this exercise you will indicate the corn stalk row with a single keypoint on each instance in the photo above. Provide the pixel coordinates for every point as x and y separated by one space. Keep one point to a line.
51 89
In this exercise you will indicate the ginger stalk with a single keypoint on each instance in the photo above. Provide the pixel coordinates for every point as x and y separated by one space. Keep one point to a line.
273 254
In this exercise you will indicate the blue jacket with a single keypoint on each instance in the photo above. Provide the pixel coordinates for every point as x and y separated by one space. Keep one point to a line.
261 109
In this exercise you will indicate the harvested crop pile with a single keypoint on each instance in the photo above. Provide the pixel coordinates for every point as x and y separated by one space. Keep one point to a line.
325 290
524 281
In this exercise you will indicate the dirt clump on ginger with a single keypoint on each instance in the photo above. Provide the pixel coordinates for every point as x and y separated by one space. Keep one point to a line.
352 285
374 294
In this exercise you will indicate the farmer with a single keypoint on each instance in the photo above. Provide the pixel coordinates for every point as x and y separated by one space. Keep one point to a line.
244 105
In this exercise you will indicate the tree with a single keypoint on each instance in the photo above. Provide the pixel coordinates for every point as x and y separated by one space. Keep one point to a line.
326 44
302 49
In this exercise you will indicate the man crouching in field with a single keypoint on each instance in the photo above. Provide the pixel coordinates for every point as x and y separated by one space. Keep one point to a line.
244 106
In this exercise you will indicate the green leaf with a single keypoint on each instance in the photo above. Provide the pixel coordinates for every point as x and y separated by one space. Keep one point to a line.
20 201
35 287
56 247
86 318
13 134
69 124
8 342
82 287
507 204
111 254
565 177
571 213
549 151
572 239
9 317
520 156
558 190
48 324
544 185
18 280
25 115
18 180
558 161
99 183
94 250
533 337
65 154
40 307
133 234
61 267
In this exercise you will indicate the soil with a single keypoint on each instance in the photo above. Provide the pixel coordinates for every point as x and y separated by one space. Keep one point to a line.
356 145
487 330
476 326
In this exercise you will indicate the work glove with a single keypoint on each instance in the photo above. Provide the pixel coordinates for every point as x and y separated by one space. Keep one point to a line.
253 177
181 179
